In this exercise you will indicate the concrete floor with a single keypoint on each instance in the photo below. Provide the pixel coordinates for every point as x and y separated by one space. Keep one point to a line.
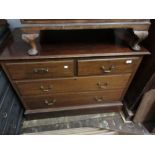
83 124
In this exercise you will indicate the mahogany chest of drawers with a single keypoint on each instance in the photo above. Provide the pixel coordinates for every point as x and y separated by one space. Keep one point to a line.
70 78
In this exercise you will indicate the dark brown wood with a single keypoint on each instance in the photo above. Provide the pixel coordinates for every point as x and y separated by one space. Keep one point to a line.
133 74
95 44
64 21
144 74
107 66
127 112
77 84
139 26
38 70
72 99
69 87
75 110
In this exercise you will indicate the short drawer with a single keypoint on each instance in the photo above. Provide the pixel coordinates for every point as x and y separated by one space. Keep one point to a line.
80 84
72 99
107 66
38 70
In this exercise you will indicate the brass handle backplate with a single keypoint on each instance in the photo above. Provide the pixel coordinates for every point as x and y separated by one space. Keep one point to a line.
52 102
99 99
40 70
102 86
44 89
109 70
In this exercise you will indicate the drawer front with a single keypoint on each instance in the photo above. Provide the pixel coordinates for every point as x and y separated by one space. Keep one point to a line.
81 84
74 99
107 66
37 70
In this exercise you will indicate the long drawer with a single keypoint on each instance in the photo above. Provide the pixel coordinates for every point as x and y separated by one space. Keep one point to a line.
80 84
38 70
107 66
72 99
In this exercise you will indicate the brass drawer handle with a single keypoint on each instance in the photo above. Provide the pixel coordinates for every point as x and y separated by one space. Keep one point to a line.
44 89
108 70
40 70
52 102
4 114
99 99
102 86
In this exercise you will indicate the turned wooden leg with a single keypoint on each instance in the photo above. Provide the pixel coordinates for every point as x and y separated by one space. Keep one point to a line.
131 39
30 39
141 36
126 36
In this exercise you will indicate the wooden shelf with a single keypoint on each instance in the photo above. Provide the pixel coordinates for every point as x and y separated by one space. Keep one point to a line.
57 45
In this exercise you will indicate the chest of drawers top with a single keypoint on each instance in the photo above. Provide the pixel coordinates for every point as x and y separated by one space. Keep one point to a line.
41 24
